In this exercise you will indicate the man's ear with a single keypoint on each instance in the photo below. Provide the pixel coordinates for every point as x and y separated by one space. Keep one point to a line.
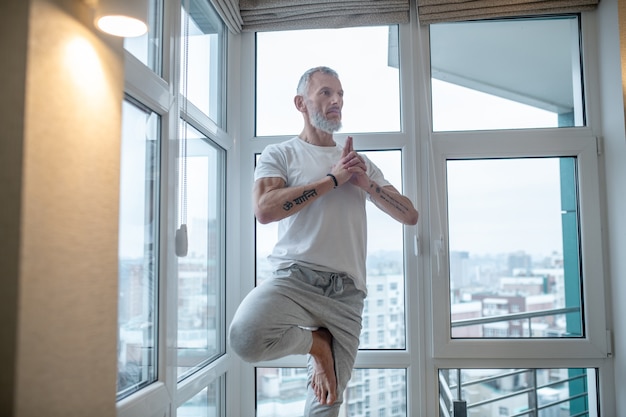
299 102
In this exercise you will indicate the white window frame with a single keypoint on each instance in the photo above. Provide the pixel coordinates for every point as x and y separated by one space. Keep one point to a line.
428 350
592 351
403 140
576 142
425 352
160 93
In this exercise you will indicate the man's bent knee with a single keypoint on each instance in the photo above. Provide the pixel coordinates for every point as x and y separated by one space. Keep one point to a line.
246 342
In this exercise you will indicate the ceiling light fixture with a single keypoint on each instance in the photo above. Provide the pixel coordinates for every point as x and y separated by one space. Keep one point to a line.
124 18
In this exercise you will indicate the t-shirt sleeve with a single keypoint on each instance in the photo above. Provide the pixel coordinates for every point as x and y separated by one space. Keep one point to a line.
375 173
271 164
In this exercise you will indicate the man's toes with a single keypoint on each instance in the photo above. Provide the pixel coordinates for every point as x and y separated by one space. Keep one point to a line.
332 397
321 398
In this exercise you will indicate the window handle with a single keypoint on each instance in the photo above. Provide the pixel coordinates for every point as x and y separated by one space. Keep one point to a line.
459 408
438 251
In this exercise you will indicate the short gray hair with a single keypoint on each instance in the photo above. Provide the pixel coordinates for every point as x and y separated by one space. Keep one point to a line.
303 85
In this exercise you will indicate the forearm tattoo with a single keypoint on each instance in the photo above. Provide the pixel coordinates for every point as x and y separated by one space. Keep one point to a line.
383 195
288 205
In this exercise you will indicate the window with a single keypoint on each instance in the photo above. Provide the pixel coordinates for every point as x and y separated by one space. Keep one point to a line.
280 58
147 48
506 100
509 223
202 43
172 309
201 274
281 396
517 259
507 392
201 167
506 74
206 403
517 209
138 316
359 55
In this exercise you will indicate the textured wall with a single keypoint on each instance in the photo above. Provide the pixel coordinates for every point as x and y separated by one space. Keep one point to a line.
67 306
13 31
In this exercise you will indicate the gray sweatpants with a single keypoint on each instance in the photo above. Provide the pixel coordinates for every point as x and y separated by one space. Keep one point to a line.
269 323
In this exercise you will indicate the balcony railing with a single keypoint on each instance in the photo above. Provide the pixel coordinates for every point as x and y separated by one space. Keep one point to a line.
515 316
576 393
451 392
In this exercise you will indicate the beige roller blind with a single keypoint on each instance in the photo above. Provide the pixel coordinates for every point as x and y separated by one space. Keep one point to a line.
229 12
266 15
432 11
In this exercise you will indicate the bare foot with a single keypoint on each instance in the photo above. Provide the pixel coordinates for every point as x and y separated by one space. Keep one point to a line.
323 381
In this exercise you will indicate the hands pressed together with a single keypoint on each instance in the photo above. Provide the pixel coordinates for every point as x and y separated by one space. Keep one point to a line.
351 167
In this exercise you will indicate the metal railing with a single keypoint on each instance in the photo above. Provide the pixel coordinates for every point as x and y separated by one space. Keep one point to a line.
515 316
451 393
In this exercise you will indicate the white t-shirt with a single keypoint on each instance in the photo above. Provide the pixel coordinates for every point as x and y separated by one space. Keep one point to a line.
331 233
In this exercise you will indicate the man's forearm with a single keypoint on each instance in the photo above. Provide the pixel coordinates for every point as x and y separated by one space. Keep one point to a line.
393 203
283 202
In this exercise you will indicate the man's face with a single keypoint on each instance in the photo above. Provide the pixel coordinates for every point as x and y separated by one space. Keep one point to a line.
324 102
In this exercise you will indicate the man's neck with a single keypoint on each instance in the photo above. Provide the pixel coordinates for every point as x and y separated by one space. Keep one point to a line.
317 137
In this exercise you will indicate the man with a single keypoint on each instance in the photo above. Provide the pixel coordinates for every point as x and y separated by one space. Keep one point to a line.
316 190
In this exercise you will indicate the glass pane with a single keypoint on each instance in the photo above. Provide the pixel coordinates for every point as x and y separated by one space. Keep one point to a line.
281 392
206 403
201 45
201 273
138 249
147 48
519 392
360 56
506 74
514 248
383 314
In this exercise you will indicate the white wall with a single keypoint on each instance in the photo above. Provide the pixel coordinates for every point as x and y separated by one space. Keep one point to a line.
610 24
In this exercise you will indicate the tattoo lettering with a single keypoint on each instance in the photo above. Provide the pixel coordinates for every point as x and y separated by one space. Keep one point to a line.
288 205
389 199
305 196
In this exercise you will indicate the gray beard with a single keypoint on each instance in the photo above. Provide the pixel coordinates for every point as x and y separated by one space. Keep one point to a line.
318 121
